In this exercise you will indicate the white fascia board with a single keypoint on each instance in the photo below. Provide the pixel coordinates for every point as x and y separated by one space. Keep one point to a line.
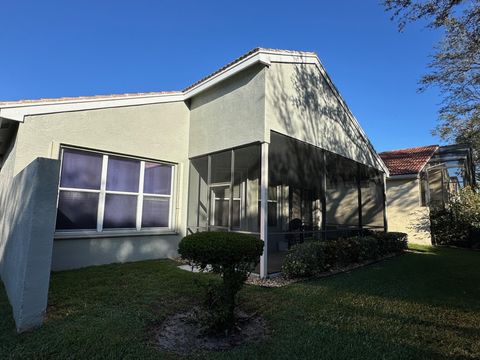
404 177
292 58
258 57
17 112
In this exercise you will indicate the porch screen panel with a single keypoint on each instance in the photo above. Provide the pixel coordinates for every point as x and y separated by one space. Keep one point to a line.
246 189
222 199
371 182
341 195
221 167
294 196
198 194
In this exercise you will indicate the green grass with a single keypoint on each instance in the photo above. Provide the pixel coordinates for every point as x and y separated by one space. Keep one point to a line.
420 305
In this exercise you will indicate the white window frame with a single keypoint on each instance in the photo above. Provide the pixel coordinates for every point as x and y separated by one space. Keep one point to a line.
103 192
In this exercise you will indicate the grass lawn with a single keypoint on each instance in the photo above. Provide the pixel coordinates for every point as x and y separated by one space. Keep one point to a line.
420 305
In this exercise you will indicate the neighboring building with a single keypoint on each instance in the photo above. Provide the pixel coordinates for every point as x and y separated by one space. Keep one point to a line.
422 177
265 145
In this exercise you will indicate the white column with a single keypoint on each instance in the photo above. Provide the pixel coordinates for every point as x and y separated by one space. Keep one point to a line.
264 211
385 203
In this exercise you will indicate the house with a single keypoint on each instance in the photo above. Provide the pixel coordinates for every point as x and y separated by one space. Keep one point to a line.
265 145
423 177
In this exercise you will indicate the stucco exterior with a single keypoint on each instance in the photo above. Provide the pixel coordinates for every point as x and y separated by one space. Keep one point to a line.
230 114
243 103
301 103
405 213
158 132
28 208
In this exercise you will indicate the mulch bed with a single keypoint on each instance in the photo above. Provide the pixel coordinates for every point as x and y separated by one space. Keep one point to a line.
184 333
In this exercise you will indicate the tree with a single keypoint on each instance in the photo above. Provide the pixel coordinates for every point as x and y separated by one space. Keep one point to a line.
455 67
233 256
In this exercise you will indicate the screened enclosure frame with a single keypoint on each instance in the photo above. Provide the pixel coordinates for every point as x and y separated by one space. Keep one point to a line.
271 200
235 194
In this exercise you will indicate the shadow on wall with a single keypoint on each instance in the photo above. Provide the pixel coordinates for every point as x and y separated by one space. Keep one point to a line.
28 203
306 106
419 226
14 205
77 253
233 84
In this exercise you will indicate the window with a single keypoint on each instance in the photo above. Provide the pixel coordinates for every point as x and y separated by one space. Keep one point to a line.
106 192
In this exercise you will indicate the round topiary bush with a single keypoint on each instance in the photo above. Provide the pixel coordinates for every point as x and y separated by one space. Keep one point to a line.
233 256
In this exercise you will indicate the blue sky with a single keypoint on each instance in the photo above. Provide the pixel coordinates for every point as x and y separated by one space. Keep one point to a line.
73 48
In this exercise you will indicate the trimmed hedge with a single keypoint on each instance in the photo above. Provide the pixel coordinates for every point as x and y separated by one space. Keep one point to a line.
314 257
391 242
220 249
233 256
305 260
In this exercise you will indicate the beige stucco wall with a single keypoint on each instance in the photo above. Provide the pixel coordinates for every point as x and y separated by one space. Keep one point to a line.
299 103
158 131
404 212
229 114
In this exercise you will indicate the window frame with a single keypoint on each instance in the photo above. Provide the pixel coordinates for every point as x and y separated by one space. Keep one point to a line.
140 195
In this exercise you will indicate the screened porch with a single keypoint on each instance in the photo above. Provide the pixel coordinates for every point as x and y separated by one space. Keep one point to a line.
306 193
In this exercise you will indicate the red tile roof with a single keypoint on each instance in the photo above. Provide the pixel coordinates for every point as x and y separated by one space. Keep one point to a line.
407 161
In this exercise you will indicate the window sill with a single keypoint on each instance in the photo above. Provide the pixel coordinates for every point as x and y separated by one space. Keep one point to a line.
110 234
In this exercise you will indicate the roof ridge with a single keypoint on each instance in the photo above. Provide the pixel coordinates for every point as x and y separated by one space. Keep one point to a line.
412 148
153 93
88 97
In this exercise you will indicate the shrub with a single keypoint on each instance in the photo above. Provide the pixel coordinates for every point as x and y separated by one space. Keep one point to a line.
342 251
313 257
369 248
304 260
457 224
233 256
391 242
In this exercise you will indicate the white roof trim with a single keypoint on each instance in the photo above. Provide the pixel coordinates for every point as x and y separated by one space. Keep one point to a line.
235 68
18 111
404 177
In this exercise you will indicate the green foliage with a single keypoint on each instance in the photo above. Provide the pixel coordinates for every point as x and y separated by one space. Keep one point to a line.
304 260
369 248
342 251
454 68
428 298
221 250
459 223
233 256
313 257
390 242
